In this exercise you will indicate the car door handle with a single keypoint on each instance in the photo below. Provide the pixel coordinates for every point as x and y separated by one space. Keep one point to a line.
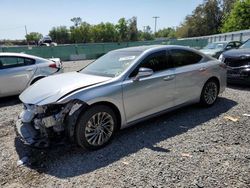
202 69
29 69
168 78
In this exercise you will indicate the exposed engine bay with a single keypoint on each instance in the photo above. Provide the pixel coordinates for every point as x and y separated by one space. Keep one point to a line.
37 125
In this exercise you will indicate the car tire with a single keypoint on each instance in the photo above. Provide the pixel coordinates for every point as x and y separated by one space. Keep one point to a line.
209 93
96 127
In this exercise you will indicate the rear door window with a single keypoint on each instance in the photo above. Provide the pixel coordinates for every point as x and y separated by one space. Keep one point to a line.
11 61
181 57
157 61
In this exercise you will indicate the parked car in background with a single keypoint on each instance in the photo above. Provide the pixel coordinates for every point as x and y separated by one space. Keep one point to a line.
18 71
217 48
238 64
119 89
46 41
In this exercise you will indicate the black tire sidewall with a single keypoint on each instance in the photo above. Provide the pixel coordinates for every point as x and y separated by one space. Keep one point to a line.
82 123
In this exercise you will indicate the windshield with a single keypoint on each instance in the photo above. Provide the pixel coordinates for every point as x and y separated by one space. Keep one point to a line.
112 64
246 44
215 46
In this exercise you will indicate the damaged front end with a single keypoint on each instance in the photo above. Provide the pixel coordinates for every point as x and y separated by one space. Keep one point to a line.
39 125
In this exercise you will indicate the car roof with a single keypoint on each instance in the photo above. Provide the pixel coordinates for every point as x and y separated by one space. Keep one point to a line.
150 47
19 55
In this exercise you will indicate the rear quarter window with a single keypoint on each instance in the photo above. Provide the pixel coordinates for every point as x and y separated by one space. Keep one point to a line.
29 61
181 57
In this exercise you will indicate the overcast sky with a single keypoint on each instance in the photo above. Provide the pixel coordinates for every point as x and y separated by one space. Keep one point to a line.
41 15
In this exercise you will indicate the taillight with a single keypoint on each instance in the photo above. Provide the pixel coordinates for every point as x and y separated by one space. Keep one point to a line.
53 66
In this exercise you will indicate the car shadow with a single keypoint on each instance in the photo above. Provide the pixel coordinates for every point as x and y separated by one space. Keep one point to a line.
9 101
67 160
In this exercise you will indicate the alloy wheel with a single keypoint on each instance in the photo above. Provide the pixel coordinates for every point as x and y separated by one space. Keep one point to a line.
99 129
210 93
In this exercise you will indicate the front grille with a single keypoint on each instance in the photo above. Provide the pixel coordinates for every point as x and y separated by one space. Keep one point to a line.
237 71
237 62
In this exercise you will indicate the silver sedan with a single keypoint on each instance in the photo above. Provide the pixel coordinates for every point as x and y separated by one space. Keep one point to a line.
117 90
18 71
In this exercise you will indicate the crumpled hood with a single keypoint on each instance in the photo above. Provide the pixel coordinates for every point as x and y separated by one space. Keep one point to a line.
237 52
52 88
210 51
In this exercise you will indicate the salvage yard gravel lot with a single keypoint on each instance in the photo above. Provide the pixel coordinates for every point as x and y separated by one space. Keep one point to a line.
190 147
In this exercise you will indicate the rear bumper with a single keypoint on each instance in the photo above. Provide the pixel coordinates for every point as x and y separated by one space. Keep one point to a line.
29 135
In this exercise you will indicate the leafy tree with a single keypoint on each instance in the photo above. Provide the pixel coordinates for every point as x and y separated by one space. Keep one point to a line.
110 33
60 34
226 6
76 20
213 16
104 32
132 29
122 28
147 29
206 19
166 32
146 34
33 37
194 25
239 18
81 33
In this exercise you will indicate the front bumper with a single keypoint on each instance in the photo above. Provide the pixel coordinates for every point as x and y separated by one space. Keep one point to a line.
244 81
238 75
40 126
29 135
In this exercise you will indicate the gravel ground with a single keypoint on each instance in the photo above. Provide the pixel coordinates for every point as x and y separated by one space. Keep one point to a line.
190 147
75 65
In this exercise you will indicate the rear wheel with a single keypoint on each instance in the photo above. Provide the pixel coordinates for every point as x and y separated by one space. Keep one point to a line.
96 127
209 93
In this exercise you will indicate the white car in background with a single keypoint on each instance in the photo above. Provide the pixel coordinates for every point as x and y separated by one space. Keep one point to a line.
18 71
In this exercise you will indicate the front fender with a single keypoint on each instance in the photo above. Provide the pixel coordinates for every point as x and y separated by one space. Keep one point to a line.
110 92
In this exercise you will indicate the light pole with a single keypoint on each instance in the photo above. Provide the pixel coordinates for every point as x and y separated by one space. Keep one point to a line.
26 35
155 17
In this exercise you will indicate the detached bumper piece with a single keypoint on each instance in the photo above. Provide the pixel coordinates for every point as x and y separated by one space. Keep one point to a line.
30 136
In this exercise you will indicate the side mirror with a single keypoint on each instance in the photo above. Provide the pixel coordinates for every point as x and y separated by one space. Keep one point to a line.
143 72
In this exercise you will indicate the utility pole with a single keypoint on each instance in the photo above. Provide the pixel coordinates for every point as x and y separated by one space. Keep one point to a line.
155 17
26 34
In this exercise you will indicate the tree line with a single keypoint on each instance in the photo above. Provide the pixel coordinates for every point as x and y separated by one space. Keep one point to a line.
216 16
210 17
